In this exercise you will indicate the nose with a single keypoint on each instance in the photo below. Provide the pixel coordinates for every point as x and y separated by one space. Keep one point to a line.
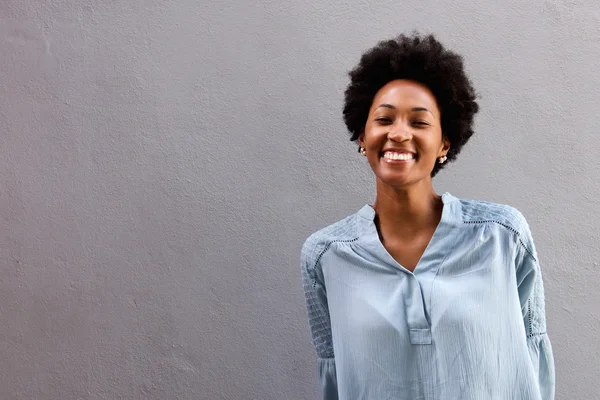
400 133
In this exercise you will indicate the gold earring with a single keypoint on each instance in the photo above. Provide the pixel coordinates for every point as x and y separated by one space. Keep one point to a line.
363 151
442 159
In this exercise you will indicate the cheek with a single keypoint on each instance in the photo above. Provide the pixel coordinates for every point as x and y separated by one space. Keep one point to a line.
374 135
430 142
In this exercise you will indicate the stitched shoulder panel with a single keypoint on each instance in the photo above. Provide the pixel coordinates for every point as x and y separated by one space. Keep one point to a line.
474 211
319 241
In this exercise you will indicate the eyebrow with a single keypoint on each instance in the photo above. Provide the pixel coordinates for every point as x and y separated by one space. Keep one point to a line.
414 109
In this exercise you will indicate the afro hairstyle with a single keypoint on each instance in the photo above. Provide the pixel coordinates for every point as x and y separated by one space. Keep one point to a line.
422 59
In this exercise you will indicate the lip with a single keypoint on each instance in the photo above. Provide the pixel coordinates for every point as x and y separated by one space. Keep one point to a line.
396 150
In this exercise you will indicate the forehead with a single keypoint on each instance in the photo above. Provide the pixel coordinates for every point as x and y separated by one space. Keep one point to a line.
405 93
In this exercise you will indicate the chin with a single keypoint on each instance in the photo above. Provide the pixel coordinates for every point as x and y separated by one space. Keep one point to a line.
400 179
397 181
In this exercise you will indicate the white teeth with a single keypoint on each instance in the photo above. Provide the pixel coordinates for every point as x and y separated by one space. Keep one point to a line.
399 156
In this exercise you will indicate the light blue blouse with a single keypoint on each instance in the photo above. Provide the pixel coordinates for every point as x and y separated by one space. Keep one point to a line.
468 323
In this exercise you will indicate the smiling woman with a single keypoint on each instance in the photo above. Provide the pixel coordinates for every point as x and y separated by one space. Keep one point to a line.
422 296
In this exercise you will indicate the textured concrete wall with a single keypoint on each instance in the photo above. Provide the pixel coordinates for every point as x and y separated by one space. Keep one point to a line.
161 163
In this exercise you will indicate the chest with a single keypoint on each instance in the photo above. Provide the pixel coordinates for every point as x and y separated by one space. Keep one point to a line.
408 251
466 292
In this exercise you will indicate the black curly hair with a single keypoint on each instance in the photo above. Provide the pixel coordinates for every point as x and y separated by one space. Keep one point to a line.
422 59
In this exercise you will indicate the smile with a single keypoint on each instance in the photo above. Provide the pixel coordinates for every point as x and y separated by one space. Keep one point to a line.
391 156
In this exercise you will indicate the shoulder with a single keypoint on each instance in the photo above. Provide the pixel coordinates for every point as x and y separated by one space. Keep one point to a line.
509 217
475 211
320 241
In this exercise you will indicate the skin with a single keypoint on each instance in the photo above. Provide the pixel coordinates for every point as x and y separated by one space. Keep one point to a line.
404 115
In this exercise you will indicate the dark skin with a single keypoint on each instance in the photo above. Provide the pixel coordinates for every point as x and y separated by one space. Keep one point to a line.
403 139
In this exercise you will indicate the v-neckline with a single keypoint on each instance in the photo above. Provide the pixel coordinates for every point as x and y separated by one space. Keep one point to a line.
430 245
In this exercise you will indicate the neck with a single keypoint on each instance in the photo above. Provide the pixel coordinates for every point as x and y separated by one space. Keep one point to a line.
404 211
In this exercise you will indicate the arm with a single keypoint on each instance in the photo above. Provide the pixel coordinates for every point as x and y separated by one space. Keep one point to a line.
531 295
318 318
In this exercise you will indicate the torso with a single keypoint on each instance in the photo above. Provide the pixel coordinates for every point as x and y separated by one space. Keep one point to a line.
461 298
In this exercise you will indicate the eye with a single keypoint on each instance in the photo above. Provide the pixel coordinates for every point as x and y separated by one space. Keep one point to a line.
383 120
420 123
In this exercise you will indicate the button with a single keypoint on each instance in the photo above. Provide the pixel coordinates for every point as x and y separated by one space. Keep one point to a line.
420 336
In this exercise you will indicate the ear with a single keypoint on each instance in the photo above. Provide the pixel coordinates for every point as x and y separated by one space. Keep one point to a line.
445 146
361 139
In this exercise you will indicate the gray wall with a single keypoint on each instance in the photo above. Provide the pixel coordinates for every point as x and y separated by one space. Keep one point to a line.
161 163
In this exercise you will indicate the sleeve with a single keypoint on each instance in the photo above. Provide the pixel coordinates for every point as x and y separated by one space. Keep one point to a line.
531 295
318 319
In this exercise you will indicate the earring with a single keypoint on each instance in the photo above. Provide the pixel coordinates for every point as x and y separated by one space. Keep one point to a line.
442 159
363 151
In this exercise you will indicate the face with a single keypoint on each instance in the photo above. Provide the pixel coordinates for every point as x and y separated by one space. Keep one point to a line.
403 134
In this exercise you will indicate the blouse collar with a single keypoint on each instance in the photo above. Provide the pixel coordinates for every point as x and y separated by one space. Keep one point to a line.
451 213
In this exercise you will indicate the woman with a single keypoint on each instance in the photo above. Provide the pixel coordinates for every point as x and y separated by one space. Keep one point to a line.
422 296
